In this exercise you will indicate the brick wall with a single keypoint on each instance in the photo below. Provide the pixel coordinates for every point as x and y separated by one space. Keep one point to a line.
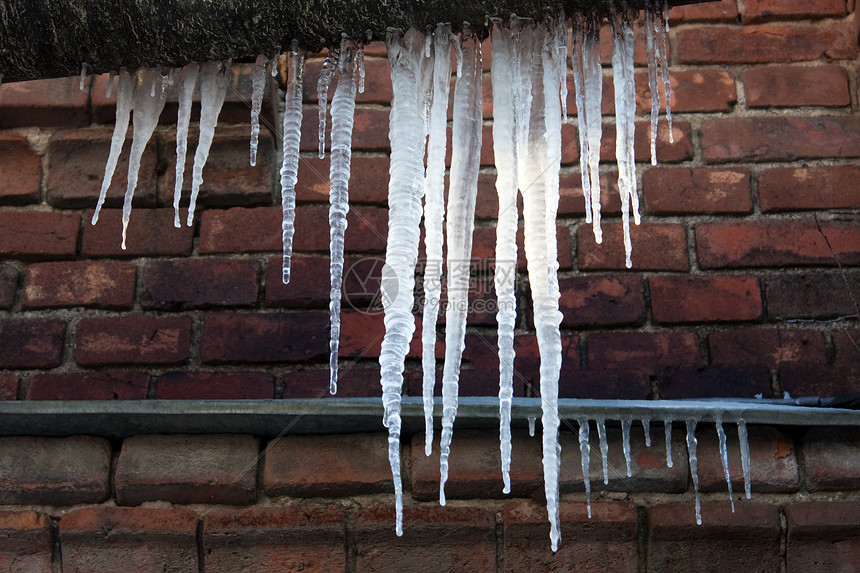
745 281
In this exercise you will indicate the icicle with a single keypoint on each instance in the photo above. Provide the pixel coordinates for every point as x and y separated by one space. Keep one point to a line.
434 209
663 41
656 46
155 79
428 40
187 82
258 83
585 455
124 104
504 275
83 75
462 193
405 187
625 443
171 75
561 55
109 88
213 89
147 109
326 74
667 429
553 115
532 422
273 63
743 438
646 427
694 465
724 456
604 448
342 110
359 55
290 165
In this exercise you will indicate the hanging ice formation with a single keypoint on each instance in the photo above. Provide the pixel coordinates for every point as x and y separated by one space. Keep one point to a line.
292 133
258 82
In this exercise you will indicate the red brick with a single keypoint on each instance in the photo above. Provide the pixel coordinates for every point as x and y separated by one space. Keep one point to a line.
572 201
54 471
43 103
810 379
610 384
213 469
642 351
469 534
606 542
79 283
8 387
292 538
811 188
22 171
723 11
765 346
353 381
309 282
692 91
369 130
8 286
655 247
794 86
76 161
25 541
747 540
240 230
681 149
777 243
332 466
102 539
200 283
228 177
361 336
599 301
830 458
765 44
377 82
819 295
132 340
715 381
367 229
38 235
678 299
773 461
696 191
263 338
822 536
484 249
780 138
89 386
150 233
214 386
760 10
368 180
31 343
847 344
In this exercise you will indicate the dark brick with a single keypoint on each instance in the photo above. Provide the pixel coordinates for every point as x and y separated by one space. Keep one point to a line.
823 536
367 229
89 386
260 338
368 180
830 458
794 86
8 286
201 283
8 387
818 295
760 10
215 386
43 103
353 381
212 469
25 541
21 168
240 230
809 188
647 352
677 299
132 340
766 347
91 284
369 130
31 343
377 82
599 301
150 233
699 191
847 344
605 385
810 379
714 382
655 247
38 235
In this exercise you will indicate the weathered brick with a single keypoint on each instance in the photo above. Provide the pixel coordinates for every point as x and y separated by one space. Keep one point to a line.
213 469
292 538
599 301
8 387
76 161
822 380
809 188
352 382
38 235
760 10
469 534
368 180
830 458
214 386
696 191
794 86
150 233
778 243
764 44
679 149
702 90
716 381
332 466
377 82
747 540
779 138
847 344
361 336
21 169
240 230
8 286
367 229
571 199
25 541
642 351
54 471
823 536
607 541
819 295
201 283
724 11
92 284
369 130
612 384
31 343
309 285
102 539
132 340
43 103
655 247
89 386
773 461
260 338
678 298
765 346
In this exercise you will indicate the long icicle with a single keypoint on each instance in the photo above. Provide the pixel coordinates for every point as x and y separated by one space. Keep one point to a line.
585 455
342 110
258 84
326 75
289 168
462 194
724 456
124 105
743 438
692 442
187 82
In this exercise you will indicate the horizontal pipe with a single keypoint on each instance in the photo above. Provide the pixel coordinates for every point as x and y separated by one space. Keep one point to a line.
50 38
268 418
